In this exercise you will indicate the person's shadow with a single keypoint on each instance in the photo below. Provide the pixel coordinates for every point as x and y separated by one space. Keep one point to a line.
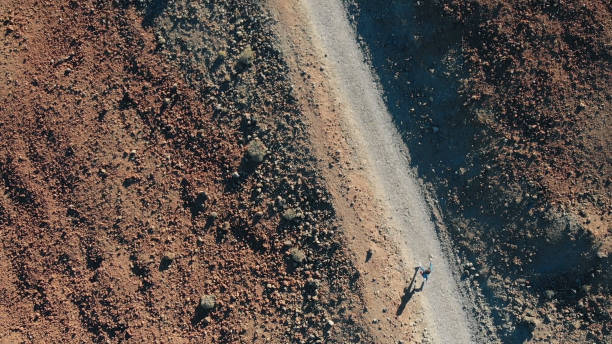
408 292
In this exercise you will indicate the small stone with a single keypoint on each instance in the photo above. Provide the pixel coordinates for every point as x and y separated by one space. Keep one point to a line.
549 294
602 253
208 302
297 255
213 215
168 257
256 151
226 226
290 214
574 325
246 57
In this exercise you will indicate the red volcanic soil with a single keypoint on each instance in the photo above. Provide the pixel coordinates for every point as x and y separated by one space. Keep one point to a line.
126 195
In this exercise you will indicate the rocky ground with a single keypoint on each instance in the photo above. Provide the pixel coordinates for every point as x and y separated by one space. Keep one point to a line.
505 107
157 185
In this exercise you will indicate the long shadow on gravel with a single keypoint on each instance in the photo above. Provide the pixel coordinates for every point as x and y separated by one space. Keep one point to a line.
408 293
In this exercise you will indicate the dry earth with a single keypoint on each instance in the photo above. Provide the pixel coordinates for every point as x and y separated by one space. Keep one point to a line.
155 152
505 109
142 170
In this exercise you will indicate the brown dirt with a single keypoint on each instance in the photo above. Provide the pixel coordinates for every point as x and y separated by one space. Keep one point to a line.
119 207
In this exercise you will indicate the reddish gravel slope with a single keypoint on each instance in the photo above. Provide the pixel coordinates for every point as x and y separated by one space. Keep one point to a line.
119 203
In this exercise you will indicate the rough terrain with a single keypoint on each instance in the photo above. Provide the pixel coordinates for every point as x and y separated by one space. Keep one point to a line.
357 108
156 182
185 171
505 109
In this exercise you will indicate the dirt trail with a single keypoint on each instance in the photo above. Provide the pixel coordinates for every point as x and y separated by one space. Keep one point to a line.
368 129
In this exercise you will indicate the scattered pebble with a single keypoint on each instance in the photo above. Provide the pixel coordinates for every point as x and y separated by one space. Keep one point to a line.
208 302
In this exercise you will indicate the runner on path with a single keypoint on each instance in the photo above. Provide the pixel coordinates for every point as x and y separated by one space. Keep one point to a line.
425 272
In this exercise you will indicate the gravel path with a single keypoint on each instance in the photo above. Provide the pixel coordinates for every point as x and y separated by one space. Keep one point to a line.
376 136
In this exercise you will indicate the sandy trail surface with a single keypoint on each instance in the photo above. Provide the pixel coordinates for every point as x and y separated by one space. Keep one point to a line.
387 161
